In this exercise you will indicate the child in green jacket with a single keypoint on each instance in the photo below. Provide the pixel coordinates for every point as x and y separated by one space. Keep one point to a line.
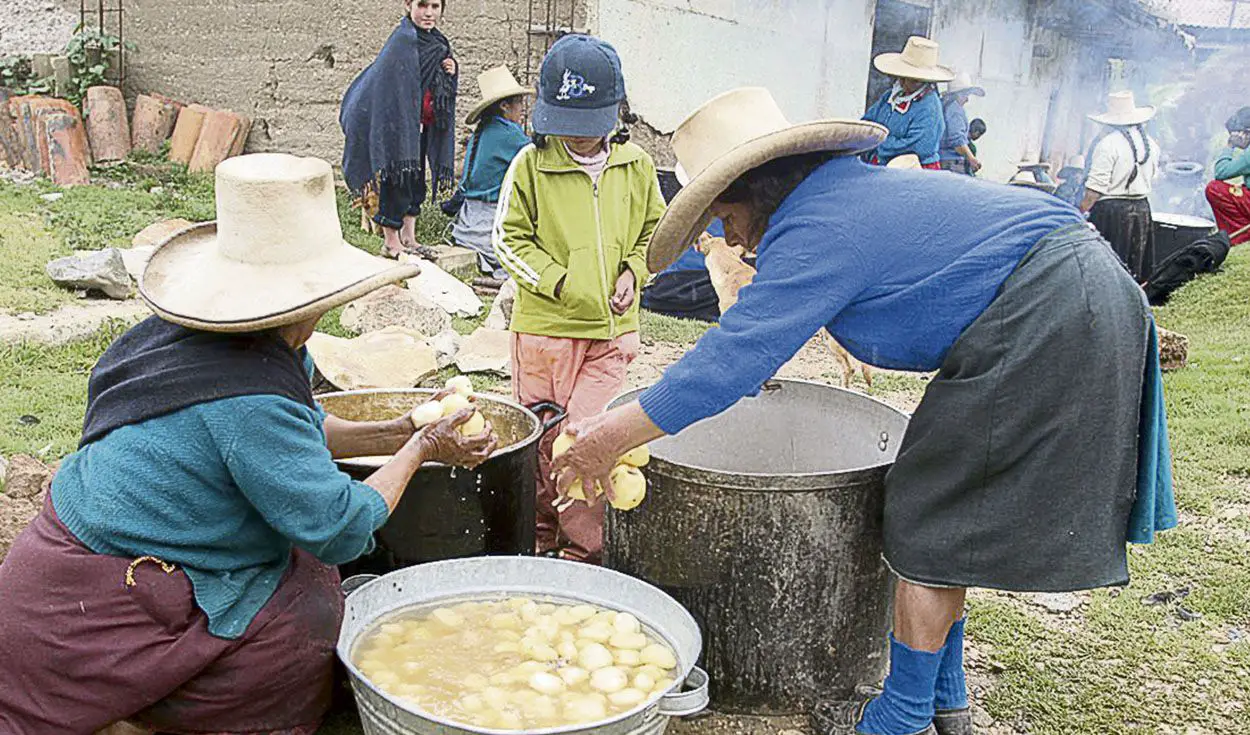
575 215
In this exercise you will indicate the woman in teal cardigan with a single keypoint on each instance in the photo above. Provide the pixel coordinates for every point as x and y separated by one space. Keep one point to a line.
181 575
499 136
1227 193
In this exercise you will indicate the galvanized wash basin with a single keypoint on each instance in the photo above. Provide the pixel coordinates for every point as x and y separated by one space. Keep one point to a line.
492 577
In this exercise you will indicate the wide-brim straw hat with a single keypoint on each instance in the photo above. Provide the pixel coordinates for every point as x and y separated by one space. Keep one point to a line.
274 256
1122 110
907 160
728 136
962 84
496 84
918 60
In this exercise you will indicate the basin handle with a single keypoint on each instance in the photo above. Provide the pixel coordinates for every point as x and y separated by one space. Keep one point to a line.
355 582
693 700
558 413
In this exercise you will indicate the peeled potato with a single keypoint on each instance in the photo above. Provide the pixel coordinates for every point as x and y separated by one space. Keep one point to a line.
627 697
594 657
663 685
539 651
637 457
448 617
596 633
567 650
585 709
561 444
608 680
573 675
630 486
546 683
627 623
581 613
474 426
645 682
426 413
658 655
629 641
624 657
460 384
454 403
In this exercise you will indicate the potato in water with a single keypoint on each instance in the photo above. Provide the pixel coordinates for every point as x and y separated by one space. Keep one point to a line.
517 663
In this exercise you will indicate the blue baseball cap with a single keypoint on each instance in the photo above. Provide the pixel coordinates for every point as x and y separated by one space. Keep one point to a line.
580 89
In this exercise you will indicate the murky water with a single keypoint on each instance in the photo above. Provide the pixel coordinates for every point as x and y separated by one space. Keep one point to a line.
516 663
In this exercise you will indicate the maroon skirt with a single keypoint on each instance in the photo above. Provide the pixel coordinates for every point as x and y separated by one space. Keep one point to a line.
87 640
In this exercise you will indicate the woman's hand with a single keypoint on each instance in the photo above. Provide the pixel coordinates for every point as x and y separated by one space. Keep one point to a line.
623 296
1239 139
598 445
442 441
449 65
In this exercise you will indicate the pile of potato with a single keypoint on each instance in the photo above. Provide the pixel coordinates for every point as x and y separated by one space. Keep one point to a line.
628 482
431 411
517 664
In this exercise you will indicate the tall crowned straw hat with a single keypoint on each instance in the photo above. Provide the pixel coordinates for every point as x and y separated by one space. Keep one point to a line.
275 255
1122 110
495 84
919 60
728 136
962 84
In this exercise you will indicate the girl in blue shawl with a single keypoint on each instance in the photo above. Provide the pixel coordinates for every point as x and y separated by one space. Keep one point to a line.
399 113
912 109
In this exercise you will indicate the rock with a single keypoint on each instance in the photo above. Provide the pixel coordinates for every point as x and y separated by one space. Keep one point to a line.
70 322
136 259
1062 602
4 466
1173 350
394 306
108 126
51 197
158 232
486 351
25 476
446 346
15 514
104 271
450 293
501 310
394 357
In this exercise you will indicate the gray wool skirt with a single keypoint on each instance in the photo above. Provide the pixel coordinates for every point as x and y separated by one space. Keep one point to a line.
1019 468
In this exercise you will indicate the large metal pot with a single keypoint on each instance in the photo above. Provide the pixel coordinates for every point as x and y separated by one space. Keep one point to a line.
1174 232
449 512
765 522
561 581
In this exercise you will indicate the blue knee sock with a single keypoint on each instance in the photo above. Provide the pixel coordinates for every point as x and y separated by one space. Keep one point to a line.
952 689
906 704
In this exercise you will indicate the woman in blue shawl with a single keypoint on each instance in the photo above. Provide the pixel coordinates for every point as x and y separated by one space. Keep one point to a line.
911 110
397 115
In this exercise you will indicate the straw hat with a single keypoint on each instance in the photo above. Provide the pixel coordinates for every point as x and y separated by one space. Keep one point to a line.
962 84
907 160
919 60
275 255
728 136
1034 175
1122 110
495 84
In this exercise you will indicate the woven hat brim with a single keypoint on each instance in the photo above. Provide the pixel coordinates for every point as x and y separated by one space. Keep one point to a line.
687 215
476 113
1136 117
894 65
974 91
188 282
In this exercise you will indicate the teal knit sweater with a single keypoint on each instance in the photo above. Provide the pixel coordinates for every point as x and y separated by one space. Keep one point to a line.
224 490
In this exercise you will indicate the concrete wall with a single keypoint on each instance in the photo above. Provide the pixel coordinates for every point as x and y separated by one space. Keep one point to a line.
812 54
286 64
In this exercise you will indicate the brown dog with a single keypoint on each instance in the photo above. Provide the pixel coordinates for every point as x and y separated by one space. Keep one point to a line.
729 274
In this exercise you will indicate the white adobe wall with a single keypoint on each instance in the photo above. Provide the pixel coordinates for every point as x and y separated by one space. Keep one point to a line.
812 54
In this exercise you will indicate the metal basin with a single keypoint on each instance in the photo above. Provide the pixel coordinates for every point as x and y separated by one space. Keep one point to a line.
487 577
449 512
765 522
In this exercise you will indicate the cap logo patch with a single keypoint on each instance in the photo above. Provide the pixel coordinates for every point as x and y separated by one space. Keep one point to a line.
574 87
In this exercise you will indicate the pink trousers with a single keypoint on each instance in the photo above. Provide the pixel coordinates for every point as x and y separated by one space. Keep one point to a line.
583 375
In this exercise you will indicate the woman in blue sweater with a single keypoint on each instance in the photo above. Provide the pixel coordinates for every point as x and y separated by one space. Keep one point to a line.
181 575
1022 467
912 108
500 135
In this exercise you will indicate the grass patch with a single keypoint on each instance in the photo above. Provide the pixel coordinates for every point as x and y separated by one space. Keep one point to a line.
48 384
660 328
28 245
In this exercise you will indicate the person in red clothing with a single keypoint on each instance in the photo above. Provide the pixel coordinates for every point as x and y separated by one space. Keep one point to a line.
1227 193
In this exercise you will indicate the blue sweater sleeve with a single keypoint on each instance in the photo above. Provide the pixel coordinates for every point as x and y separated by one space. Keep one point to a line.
956 126
277 456
806 276
1230 164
